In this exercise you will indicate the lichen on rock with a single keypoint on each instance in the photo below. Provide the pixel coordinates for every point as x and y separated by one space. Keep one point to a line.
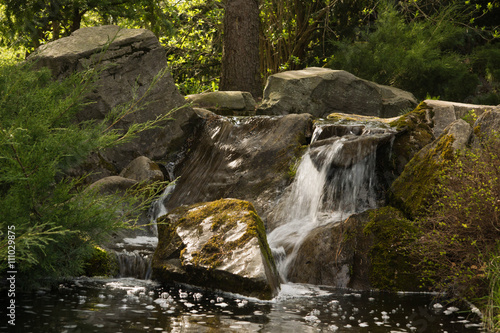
220 244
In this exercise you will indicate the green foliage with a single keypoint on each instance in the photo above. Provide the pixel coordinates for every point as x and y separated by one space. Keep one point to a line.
194 51
56 221
417 56
492 312
486 63
30 23
462 226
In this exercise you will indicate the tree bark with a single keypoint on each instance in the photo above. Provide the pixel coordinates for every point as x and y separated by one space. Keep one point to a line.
240 56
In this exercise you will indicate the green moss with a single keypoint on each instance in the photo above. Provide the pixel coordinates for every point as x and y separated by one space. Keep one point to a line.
391 264
225 214
411 191
101 263
410 120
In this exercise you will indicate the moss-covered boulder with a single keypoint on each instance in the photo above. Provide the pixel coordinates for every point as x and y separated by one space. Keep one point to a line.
413 188
414 131
446 112
220 245
392 264
426 123
368 250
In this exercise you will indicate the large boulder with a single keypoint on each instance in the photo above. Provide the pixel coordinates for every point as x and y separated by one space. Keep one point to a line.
128 60
219 245
321 91
412 189
366 251
245 158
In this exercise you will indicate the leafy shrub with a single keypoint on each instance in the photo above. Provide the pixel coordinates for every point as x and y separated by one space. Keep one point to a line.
194 51
56 221
486 62
415 56
462 226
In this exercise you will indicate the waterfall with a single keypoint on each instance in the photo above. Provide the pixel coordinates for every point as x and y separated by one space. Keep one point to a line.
335 178
134 248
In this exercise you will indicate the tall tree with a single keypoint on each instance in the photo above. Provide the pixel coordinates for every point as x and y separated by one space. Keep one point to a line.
240 56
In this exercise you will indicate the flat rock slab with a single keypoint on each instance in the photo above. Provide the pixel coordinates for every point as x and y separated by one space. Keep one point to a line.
224 102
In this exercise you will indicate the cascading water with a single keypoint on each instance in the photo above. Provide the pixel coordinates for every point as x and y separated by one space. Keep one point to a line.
336 178
134 250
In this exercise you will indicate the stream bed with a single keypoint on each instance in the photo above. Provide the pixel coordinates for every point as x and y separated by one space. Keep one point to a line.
133 305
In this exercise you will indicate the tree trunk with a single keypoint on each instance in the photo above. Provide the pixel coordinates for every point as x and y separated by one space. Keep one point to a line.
240 57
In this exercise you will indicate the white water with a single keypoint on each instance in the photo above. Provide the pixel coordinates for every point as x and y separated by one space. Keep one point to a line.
134 253
320 194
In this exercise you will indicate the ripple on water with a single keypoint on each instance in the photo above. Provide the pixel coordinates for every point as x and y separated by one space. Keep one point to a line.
143 306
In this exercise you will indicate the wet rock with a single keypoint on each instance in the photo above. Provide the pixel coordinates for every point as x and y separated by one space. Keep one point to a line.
365 251
322 91
360 136
225 102
219 245
411 190
245 158
128 65
353 150
326 257
143 169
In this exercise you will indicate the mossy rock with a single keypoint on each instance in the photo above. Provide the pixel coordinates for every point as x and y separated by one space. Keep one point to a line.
392 267
220 244
414 131
372 249
101 263
413 189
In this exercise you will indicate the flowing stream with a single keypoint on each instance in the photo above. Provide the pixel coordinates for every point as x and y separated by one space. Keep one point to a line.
335 178
129 305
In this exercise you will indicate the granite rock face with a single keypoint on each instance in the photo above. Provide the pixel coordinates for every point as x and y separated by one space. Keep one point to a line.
129 60
321 91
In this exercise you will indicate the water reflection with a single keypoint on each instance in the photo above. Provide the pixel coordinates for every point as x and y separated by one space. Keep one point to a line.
130 305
